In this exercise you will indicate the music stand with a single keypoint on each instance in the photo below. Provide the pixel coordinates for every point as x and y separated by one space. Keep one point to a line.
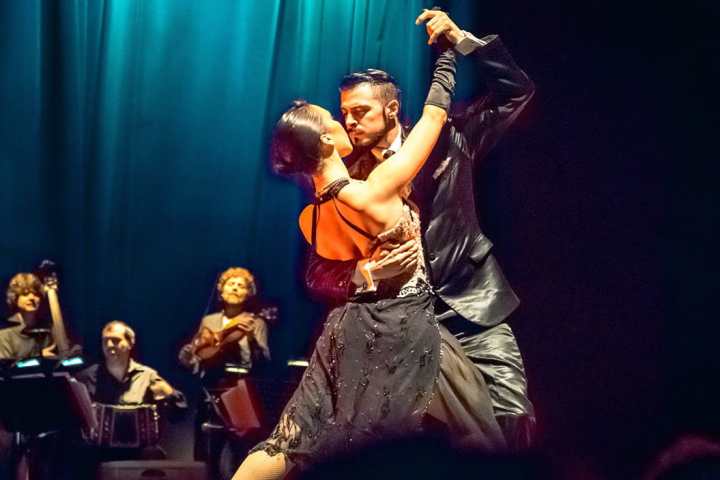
34 404
38 402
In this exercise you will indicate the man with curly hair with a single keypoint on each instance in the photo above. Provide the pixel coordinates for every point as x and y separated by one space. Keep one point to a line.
28 334
240 314
239 310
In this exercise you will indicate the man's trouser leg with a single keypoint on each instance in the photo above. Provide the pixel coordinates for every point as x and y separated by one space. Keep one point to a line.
495 352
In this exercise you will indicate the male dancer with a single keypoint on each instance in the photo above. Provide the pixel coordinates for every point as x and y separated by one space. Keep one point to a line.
474 298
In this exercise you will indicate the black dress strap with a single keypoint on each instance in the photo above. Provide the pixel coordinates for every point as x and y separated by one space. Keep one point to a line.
330 192
352 225
313 235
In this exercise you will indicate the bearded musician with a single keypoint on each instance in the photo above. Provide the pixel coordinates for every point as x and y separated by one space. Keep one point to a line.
229 344
238 333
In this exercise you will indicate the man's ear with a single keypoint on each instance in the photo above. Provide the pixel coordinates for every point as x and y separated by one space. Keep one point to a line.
392 109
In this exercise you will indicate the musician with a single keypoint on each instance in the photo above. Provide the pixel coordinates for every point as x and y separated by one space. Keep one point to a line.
242 314
120 380
28 332
236 335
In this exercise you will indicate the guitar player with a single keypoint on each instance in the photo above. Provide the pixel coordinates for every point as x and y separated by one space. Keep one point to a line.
227 345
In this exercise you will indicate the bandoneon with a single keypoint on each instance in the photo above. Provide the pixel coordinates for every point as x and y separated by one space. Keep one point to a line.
125 426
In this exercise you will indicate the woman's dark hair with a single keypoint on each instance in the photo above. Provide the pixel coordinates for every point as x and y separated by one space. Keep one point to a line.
295 144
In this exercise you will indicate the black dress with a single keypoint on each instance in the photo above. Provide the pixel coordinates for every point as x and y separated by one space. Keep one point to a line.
379 364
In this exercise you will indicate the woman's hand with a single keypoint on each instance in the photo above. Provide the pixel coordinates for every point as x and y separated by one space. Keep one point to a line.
439 23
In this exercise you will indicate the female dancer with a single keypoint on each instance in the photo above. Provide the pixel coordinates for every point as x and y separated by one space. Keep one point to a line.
382 364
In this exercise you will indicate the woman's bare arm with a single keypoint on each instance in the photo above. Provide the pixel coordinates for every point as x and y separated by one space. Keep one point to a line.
391 176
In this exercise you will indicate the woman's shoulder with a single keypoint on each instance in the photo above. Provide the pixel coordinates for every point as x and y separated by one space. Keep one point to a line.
333 241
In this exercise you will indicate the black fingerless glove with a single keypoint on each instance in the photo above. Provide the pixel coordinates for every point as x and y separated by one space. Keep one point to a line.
442 87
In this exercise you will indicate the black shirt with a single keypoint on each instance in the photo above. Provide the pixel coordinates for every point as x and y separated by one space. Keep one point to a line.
133 389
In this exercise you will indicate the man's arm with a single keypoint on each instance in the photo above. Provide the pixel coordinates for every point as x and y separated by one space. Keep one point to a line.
171 398
508 88
186 356
508 91
260 338
161 390
6 352
336 281
329 280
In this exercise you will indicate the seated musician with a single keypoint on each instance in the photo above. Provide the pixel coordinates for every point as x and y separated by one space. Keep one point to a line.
120 380
27 332
234 336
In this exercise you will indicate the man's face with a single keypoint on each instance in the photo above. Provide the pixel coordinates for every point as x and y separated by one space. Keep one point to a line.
28 302
236 290
115 344
364 115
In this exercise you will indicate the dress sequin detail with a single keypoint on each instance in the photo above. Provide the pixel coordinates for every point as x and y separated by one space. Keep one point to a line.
372 373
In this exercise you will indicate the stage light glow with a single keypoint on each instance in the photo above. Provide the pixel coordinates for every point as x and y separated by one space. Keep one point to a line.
297 363
72 362
33 362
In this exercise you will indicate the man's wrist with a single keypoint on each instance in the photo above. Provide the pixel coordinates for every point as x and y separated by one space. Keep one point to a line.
362 278
455 36
468 43
357 279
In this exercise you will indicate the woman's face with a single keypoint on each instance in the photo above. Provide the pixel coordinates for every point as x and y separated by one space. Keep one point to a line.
335 130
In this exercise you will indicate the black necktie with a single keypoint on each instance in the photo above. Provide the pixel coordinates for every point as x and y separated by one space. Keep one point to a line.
387 154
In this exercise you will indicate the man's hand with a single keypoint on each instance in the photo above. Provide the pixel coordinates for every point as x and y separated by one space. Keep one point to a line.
394 260
439 23
161 390
245 322
49 351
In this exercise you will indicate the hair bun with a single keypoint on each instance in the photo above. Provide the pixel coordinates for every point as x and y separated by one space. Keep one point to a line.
295 144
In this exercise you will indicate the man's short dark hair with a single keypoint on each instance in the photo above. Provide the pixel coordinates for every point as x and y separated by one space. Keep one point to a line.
382 82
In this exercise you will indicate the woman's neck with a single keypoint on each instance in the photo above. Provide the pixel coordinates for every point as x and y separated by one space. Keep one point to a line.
332 169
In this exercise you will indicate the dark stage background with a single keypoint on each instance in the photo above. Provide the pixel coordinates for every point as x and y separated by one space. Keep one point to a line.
133 146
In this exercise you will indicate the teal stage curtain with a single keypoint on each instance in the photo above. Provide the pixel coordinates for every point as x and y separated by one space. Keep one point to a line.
134 139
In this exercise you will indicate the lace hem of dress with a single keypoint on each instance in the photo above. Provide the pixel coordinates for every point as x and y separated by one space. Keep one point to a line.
272 446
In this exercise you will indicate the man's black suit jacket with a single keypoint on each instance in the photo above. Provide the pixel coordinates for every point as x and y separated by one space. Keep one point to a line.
462 269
